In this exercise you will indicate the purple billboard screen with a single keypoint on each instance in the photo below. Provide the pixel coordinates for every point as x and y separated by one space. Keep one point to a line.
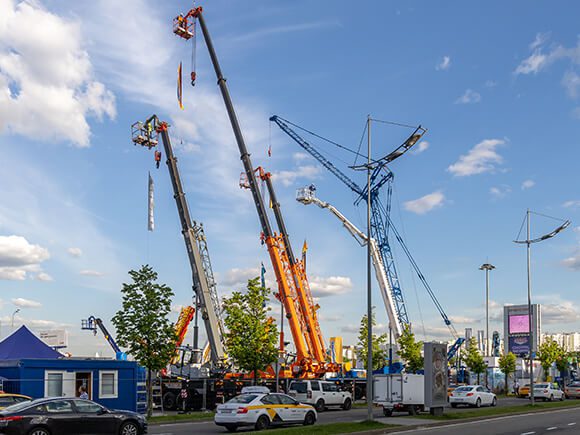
519 324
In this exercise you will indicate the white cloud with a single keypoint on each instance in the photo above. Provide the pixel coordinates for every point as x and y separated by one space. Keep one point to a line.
236 279
75 252
42 276
469 97
500 192
481 158
18 256
425 203
540 39
26 303
420 147
572 203
464 320
301 156
557 310
490 84
306 172
572 262
528 184
571 82
534 63
268 32
329 286
88 272
444 64
47 79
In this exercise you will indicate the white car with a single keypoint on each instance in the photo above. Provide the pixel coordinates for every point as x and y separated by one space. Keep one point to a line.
321 394
547 391
262 410
472 395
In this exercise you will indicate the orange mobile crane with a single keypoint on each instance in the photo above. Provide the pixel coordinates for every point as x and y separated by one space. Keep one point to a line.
293 289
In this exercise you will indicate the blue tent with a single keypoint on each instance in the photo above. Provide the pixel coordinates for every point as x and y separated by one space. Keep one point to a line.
24 344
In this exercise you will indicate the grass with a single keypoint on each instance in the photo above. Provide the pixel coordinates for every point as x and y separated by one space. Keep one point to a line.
503 410
193 416
332 428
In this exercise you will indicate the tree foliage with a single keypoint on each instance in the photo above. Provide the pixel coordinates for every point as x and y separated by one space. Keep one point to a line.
507 365
474 360
410 350
548 353
252 335
379 355
142 324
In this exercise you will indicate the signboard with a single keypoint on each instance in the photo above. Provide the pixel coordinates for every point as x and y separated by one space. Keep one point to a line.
519 345
519 324
54 337
435 375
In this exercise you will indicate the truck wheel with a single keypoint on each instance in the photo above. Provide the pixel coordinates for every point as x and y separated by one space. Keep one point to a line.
387 412
262 423
310 419
347 404
319 405
169 401
358 393
413 410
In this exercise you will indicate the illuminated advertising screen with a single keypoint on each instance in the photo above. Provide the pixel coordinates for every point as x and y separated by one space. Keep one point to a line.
519 324
519 345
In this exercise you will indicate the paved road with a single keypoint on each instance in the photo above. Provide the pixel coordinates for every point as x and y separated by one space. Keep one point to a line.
564 421
330 416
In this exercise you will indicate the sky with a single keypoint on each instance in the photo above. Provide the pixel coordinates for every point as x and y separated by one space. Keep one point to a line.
497 85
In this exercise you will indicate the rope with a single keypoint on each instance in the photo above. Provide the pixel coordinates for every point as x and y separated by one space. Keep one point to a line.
394 123
549 217
360 143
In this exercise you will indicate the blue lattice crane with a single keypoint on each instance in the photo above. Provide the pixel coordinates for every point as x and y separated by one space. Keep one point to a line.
381 223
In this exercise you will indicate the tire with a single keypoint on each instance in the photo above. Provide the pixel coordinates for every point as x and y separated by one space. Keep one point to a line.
169 401
478 403
310 419
387 412
129 428
39 431
413 410
551 397
347 404
319 405
454 405
262 423
231 427
562 398
494 401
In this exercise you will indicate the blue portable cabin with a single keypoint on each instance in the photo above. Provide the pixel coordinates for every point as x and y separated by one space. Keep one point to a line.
32 368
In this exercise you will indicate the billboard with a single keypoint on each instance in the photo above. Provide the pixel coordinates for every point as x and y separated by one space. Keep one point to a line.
519 324
519 345
435 374
54 337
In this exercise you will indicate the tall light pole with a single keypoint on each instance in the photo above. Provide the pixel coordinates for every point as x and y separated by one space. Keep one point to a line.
487 267
13 314
528 241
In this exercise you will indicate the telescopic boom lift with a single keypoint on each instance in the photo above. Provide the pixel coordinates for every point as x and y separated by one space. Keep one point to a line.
92 323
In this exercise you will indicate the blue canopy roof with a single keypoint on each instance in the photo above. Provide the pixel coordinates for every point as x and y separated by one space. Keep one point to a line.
24 344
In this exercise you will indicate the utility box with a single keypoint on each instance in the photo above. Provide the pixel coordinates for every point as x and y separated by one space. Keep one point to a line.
399 392
435 377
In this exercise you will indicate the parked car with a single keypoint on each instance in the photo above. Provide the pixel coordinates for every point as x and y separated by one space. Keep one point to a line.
262 410
524 391
452 388
9 399
572 390
547 391
321 394
59 416
472 395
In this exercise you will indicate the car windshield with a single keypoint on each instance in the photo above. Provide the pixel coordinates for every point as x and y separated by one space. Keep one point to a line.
541 385
243 398
299 387
463 389
574 384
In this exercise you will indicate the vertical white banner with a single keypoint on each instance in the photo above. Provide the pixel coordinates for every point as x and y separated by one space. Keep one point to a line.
151 204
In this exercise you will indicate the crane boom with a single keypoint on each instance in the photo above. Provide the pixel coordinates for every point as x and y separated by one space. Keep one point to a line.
92 323
306 196
145 134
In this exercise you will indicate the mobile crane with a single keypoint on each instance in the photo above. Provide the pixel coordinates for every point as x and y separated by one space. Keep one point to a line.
204 286
293 290
92 323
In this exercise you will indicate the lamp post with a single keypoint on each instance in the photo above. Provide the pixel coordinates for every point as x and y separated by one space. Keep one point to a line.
528 242
487 267
13 314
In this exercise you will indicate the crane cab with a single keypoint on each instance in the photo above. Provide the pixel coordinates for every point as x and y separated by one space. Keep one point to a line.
144 134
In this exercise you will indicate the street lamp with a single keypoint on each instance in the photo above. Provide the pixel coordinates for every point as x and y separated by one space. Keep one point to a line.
528 241
13 314
487 267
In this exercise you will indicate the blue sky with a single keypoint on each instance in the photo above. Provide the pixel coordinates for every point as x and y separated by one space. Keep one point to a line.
497 85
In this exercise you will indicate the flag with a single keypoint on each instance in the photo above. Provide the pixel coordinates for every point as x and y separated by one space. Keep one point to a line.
270 151
263 275
150 221
179 87
304 247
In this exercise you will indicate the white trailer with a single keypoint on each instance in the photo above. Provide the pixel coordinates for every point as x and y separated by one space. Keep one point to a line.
399 392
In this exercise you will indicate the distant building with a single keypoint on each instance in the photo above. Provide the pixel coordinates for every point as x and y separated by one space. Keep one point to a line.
570 341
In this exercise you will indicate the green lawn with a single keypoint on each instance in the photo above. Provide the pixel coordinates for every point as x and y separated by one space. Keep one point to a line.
329 429
181 417
485 412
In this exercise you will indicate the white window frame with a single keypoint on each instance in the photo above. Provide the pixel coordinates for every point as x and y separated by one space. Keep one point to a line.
115 374
53 372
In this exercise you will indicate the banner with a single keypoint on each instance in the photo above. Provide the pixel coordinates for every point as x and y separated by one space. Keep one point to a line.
150 220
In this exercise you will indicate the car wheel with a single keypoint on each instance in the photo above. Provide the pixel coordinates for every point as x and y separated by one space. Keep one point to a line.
454 405
478 403
387 412
39 431
231 427
561 398
169 401
551 397
347 404
310 419
262 423
319 405
129 428
494 401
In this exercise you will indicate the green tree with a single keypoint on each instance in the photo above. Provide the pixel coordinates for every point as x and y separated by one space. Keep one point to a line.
252 335
410 350
563 363
507 365
548 353
379 355
474 360
143 326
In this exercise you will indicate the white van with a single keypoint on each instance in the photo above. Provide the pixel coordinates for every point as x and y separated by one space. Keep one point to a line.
321 394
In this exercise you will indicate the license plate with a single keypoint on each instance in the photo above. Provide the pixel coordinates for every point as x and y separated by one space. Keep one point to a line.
225 411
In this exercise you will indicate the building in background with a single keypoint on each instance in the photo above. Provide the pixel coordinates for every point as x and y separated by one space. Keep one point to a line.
570 341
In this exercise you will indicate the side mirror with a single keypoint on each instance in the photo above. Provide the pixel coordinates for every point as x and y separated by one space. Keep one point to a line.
103 411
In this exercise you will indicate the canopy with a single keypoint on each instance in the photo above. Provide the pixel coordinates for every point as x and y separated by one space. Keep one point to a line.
24 344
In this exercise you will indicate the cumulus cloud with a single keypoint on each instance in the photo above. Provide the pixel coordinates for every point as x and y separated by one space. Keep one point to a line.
26 303
237 279
482 158
88 272
528 184
18 257
425 203
469 97
444 64
555 309
45 80
75 252
572 262
305 172
330 286
420 147
464 320
42 276
500 191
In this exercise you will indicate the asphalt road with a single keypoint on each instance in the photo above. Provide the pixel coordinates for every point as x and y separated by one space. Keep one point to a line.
563 421
330 416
